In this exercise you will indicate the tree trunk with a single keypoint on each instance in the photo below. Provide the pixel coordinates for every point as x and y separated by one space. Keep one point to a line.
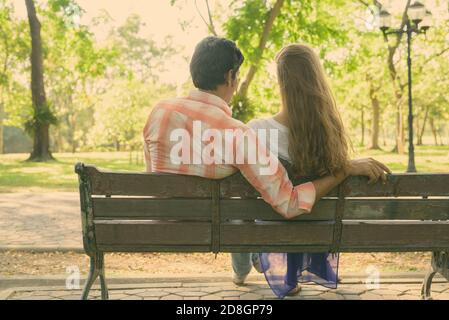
421 134
362 116
434 131
397 85
274 12
1 127
41 143
375 120
400 143
416 125
439 136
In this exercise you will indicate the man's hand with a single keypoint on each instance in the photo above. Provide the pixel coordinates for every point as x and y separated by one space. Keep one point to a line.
370 168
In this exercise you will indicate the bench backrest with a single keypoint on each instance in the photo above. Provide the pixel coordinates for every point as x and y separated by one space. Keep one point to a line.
164 212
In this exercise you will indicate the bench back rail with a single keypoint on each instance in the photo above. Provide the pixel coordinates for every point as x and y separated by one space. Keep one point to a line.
162 212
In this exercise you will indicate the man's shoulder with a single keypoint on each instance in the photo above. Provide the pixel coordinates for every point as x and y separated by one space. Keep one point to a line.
170 101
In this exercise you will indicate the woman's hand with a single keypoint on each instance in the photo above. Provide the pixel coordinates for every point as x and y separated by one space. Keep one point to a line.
370 168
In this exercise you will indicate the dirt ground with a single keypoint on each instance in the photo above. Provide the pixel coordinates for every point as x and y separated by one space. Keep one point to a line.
14 263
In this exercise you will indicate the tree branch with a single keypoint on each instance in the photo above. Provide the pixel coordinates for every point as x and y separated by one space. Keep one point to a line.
273 13
210 24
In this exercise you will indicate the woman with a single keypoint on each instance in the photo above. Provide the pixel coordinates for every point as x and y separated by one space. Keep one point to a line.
313 142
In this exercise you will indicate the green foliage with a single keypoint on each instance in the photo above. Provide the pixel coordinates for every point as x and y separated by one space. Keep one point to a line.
243 108
303 21
121 112
42 116
101 92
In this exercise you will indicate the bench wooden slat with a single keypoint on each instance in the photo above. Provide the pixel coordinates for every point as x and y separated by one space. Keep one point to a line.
152 248
327 248
363 209
252 209
429 184
402 184
136 232
278 248
276 233
398 209
143 208
362 235
148 184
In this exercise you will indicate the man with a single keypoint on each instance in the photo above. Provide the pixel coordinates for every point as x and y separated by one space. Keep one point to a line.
215 71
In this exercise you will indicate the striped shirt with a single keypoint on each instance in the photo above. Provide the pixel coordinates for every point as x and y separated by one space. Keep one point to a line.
201 114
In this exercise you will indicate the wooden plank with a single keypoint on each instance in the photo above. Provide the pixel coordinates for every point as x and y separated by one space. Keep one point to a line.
253 209
405 184
305 248
137 232
237 186
395 234
278 248
398 209
152 248
276 233
144 208
410 184
148 184
216 217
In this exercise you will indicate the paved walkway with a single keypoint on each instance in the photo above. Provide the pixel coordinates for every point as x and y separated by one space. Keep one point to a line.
27 221
227 291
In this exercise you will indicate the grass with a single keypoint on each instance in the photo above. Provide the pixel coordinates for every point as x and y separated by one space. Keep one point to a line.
18 175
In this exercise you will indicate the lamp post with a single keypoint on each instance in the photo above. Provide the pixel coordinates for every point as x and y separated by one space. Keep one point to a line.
418 21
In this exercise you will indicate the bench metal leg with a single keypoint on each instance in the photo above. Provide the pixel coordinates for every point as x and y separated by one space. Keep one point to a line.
440 264
426 291
104 287
96 270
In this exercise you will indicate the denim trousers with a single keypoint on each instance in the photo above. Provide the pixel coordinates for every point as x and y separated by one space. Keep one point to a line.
243 262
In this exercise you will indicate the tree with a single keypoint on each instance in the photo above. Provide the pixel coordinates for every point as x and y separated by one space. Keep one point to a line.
5 35
43 117
262 28
75 66
271 15
13 54
131 87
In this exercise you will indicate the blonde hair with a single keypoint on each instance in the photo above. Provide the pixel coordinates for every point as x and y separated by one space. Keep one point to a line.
318 144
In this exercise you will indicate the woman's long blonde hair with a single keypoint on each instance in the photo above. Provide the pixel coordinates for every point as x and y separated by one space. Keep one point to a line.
318 144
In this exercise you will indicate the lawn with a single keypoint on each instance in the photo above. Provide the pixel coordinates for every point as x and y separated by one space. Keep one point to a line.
18 175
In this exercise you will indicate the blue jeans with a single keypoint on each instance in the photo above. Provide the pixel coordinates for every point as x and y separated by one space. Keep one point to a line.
242 263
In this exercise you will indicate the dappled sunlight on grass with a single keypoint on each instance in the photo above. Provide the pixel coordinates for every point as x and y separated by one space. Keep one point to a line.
427 158
16 174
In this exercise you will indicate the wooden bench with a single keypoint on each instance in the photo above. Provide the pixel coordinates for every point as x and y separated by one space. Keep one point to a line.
141 212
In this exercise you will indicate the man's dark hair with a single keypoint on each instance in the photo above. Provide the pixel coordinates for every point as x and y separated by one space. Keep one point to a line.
212 59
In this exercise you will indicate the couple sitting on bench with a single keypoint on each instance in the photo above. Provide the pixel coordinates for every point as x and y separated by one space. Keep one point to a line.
196 135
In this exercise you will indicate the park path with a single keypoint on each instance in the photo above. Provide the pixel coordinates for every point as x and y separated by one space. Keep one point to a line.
41 221
227 291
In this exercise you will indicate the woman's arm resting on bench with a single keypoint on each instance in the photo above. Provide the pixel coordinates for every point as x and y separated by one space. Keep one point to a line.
360 167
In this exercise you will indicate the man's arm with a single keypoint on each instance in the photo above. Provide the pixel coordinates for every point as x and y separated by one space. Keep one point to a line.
291 201
270 178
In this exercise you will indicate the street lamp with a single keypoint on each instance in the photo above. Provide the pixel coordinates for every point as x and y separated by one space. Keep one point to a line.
418 21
